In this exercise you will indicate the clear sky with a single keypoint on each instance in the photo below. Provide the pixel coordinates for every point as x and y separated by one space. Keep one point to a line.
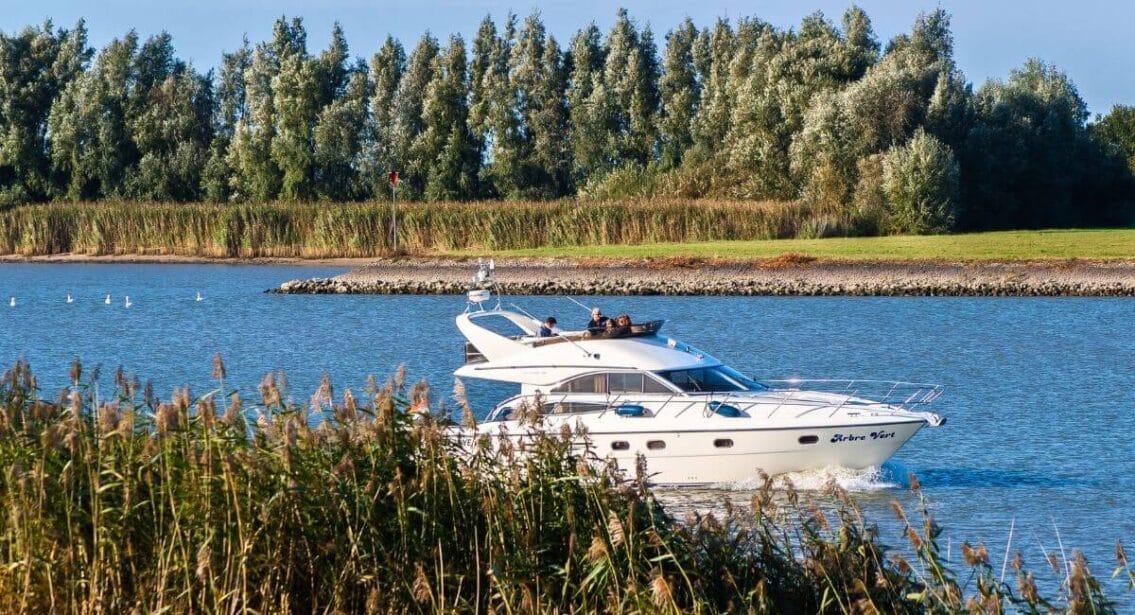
1091 40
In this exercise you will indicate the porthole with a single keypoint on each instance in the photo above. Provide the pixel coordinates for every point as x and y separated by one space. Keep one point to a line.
723 443
620 445
809 439
655 445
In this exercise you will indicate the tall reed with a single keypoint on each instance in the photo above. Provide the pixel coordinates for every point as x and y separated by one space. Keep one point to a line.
363 229
190 504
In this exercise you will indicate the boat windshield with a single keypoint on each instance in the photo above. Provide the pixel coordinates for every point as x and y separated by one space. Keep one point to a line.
721 379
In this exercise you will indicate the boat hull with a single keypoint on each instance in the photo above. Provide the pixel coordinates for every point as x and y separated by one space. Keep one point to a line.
700 457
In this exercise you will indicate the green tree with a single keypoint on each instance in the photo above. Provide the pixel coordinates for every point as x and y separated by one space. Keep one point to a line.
172 133
540 80
921 183
585 108
339 134
444 151
377 155
90 137
713 55
1115 133
493 120
169 120
679 91
915 85
231 108
35 67
625 116
1028 157
406 123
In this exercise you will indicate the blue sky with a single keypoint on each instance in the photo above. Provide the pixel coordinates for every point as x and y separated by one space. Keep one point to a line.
1090 40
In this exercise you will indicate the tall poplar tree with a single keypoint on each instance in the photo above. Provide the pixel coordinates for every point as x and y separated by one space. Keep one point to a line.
377 156
711 124
406 117
679 92
585 109
444 149
493 114
339 134
542 167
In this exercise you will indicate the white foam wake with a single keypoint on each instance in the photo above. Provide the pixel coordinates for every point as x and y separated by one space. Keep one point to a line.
856 481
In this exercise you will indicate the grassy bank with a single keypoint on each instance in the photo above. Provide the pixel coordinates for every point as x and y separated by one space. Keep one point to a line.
363 229
126 502
1101 244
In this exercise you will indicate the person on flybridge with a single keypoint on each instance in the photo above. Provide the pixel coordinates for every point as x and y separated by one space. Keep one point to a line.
549 329
598 320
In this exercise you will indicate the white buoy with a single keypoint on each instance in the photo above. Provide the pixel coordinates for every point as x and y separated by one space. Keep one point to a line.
127 304
107 300
69 299
12 302
199 297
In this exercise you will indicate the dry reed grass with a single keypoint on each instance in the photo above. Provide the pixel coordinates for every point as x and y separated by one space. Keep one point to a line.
202 504
324 230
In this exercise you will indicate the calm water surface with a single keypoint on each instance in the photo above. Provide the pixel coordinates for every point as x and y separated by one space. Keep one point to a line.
1040 392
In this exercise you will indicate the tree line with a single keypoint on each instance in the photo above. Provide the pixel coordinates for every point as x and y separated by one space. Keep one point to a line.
892 136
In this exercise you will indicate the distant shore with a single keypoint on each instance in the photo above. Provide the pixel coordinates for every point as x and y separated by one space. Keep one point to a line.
784 276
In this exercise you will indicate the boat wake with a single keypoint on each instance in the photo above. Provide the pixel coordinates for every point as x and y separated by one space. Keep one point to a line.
867 480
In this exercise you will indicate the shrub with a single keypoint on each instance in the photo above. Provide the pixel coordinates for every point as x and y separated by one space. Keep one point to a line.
920 180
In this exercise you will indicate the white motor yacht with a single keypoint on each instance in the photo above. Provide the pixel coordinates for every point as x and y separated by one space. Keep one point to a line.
634 391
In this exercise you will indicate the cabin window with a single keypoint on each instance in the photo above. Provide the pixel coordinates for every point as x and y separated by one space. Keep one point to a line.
809 439
591 383
614 382
711 379
620 445
501 414
723 443
572 407
655 445
650 385
624 383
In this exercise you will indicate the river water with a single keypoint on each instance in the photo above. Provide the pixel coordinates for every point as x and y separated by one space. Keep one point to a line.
1040 393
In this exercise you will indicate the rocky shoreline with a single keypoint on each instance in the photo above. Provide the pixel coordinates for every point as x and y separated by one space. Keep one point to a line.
758 278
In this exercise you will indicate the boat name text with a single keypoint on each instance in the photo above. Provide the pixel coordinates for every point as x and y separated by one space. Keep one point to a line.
874 435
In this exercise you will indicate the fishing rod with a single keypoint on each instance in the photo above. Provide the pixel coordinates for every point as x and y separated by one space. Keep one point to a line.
588 309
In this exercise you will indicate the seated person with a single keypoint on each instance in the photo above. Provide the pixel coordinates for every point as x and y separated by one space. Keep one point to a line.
598 320
548 329
619 327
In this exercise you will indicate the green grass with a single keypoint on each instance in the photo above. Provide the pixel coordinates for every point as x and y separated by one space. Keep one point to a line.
1005 245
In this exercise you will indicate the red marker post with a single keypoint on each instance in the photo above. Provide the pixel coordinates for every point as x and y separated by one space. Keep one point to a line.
394 210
